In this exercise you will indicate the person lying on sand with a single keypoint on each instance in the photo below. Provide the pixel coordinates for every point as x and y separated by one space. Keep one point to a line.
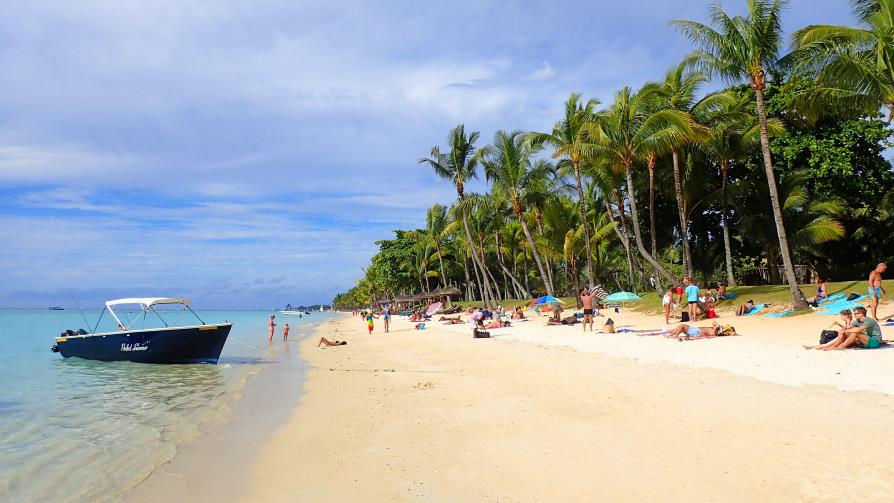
570 320
745 308
496 324
863 331
327 342
684 332
449 318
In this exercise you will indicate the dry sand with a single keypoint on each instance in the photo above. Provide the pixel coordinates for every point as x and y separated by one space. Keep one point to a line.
552 414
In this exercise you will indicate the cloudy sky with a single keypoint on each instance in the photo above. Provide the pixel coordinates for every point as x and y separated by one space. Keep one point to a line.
250 153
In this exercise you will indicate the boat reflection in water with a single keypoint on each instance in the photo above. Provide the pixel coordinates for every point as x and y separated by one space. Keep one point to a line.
168 344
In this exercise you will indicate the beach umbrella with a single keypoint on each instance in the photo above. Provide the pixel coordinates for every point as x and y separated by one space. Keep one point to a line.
545 299
432 309
622 298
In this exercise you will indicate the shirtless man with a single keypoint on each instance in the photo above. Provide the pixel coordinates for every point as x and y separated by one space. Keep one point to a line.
875 288
586 298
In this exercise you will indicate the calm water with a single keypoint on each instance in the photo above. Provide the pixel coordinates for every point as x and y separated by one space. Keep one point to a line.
79 430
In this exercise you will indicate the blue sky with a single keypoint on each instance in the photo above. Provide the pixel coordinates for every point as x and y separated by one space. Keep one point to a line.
250 153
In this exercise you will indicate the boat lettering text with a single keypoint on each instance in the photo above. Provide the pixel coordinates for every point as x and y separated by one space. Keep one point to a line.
135 347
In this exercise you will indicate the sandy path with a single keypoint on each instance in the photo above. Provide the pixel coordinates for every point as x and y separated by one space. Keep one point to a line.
503 420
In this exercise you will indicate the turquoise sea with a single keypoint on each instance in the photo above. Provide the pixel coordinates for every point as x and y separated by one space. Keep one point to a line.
79 430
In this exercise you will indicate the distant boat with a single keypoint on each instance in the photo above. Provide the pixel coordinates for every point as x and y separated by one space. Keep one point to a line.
57 308
291 311
187 344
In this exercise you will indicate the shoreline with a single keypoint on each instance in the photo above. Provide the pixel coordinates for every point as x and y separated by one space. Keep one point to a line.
212 467
539 414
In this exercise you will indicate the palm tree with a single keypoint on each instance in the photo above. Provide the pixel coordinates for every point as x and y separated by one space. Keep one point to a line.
745 48
678 92
570 141
733 132
626 133
436 222
459 165
514 176
852 65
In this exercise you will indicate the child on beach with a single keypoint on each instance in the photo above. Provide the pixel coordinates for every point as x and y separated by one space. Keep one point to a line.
285 333
370 324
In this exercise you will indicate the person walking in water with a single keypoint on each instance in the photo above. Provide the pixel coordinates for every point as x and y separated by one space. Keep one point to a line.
586 298
386 317
271 327
285 332
875 287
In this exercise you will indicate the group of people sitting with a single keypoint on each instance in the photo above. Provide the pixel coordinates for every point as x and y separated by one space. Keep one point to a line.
855 329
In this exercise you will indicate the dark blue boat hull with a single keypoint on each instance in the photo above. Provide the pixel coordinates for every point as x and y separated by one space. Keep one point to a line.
201 344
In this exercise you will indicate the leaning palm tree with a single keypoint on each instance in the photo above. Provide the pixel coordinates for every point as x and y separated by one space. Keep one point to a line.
626 133
745 48
515 177
459 165
853 65
569 141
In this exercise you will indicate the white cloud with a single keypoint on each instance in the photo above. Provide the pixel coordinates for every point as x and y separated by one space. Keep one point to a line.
544 72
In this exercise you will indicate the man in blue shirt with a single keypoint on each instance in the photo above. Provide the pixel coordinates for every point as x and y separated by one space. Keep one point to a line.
692 298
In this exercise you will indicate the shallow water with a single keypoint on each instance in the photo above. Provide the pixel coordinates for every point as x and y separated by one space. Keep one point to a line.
81 430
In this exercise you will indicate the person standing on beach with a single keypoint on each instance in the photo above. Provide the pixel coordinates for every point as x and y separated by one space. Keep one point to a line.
285 333
875 287
386 317
666 302
692 298
586 298
370 323
271 327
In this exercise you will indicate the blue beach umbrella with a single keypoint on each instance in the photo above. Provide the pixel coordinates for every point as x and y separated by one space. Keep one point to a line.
546 298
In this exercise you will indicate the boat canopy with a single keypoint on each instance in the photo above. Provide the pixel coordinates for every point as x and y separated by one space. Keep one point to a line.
147 301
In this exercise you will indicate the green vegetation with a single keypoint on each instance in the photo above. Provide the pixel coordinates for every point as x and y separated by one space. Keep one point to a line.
776 179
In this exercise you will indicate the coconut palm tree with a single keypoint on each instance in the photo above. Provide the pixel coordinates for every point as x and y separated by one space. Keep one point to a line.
626 133
745 48
514 176
460 165
734 131
436 221
678 91
853 65
570 141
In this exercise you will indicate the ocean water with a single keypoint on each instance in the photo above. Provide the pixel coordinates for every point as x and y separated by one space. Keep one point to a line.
80 430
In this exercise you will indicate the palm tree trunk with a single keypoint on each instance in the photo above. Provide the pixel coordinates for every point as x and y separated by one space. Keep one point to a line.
546 282
468 280
477 278
582 202
727 250
798 301
622 236
484 283
684 228
547 263
441 264
639 241
515 284
651 164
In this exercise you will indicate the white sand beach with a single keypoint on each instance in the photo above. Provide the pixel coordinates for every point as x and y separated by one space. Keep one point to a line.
549 413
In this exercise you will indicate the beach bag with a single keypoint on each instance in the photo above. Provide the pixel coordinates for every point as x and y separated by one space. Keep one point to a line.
481 334
828 336
853 296
710 312
609 327
684 317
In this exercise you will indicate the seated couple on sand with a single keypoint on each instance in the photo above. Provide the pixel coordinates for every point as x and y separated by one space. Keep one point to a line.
857 330
684 332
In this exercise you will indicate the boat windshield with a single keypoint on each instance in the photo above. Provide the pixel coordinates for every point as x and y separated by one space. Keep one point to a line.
147 313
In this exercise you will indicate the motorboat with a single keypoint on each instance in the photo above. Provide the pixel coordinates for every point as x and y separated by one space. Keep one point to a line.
57 308
195 343
291 311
